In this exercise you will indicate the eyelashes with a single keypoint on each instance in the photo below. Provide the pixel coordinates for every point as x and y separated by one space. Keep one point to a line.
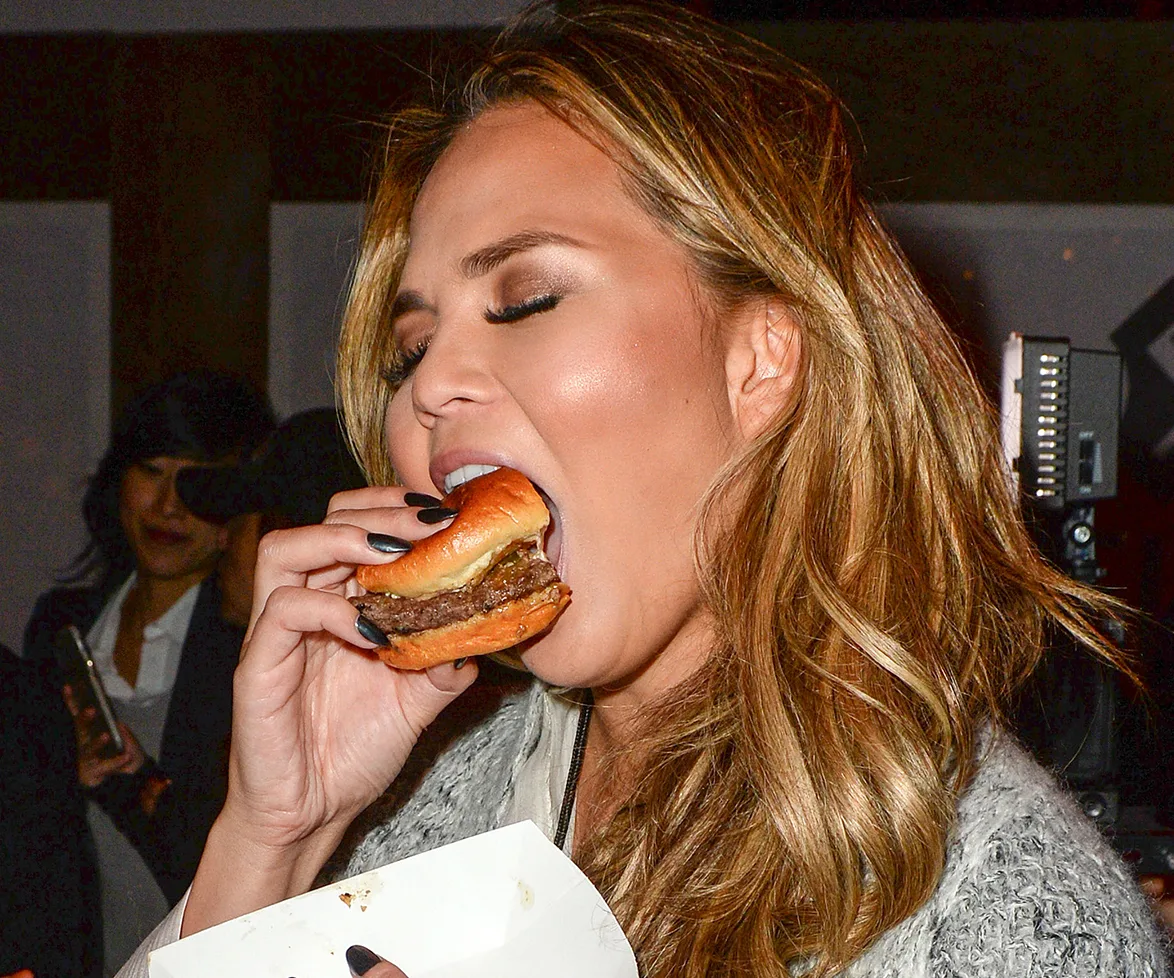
520 310
406 361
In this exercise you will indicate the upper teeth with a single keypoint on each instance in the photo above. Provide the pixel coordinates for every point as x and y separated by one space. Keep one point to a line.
458 477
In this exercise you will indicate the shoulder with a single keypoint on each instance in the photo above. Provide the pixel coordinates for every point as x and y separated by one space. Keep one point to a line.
455 783
55 608
207 628
1031 887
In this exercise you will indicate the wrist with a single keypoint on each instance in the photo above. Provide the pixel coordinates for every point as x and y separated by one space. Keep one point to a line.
240 872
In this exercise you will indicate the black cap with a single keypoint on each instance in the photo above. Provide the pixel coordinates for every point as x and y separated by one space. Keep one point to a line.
301 465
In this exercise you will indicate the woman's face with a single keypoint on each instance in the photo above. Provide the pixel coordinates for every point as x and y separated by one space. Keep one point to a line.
561 335
168 541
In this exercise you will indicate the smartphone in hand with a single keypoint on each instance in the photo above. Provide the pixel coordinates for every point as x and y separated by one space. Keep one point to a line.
75 660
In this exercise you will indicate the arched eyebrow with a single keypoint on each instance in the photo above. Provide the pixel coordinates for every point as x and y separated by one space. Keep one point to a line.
482 261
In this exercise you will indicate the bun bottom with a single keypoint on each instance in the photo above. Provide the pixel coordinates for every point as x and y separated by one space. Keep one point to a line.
501 628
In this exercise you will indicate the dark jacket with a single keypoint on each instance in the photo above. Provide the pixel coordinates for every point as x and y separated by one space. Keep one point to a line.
194 754
48 883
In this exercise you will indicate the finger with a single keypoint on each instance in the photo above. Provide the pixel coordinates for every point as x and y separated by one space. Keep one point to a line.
364 961
70 699
292 612
327 552
419 691
287 556
367 498
398 521
96 742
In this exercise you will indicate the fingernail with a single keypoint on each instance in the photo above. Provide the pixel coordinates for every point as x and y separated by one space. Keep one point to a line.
360 959
385 543
420 499
457 663
436 514
369 630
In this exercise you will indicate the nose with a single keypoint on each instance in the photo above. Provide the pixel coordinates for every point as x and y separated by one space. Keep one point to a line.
169 502
455 374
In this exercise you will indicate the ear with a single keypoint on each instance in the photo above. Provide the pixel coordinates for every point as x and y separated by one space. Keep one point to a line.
762 363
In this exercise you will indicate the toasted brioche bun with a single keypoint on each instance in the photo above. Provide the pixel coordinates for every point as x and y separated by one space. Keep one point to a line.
501 628
495 512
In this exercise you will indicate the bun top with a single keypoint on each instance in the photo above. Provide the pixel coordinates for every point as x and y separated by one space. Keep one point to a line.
495 512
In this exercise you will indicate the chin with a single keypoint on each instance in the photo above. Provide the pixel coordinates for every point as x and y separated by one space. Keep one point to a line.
554 660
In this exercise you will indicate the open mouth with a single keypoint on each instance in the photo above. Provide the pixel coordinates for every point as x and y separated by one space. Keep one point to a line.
552 542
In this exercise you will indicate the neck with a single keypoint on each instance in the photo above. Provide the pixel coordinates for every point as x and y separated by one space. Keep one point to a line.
153 596
610 764
620 707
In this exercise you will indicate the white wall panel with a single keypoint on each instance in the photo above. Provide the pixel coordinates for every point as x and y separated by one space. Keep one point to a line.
54 390
311 248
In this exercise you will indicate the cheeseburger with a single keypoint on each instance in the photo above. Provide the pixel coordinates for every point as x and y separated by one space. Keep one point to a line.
483 584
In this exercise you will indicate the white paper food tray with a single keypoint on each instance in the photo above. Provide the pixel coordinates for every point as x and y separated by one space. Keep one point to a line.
506 904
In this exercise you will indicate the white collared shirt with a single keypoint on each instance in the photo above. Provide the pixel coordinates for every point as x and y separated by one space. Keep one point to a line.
162 645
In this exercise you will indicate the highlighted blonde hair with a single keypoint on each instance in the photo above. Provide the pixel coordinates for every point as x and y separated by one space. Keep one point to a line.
877 597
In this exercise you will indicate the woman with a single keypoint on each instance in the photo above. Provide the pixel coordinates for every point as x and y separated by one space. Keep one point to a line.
631 261
145 595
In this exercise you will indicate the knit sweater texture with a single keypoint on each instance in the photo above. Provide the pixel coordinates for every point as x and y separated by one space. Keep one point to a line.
1030 888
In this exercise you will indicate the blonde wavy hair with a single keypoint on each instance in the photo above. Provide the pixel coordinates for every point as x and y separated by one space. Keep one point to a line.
877 597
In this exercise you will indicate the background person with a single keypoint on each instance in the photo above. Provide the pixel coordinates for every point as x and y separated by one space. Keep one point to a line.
145 595
631 260
287 483
48 882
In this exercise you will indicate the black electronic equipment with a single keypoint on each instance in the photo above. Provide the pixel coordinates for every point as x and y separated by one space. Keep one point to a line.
1061 410
77 665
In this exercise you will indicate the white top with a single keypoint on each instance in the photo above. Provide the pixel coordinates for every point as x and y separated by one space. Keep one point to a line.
162 645
542 779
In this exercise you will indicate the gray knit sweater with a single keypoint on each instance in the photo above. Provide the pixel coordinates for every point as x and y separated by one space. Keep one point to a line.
1029 889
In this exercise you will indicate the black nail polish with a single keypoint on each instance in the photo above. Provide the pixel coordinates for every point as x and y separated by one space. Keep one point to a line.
435 514
457 663
385 543
420 499
360 959
369 630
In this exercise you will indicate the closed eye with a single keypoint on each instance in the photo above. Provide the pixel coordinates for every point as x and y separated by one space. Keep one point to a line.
405 362
520 310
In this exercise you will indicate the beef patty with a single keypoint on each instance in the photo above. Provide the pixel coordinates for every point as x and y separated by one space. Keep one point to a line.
519 573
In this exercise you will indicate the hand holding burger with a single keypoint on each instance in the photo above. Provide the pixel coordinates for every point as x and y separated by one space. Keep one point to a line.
483 584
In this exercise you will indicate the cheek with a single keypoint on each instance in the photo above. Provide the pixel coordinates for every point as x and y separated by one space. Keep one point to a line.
206 537
407 440
131 500
636 379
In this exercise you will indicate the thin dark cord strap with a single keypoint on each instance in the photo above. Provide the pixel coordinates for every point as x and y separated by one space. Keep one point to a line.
572 786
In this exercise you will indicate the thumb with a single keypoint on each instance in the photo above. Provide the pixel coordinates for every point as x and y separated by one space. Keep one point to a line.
365 962
454 677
